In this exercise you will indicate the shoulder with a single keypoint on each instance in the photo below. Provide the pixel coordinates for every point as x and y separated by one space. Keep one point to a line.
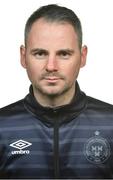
12 108
98 105
11 115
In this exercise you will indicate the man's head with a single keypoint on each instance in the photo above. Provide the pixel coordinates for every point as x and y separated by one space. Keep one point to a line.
53 52
54 13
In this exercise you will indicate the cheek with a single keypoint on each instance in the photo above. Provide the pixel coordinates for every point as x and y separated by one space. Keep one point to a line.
73 71
33 71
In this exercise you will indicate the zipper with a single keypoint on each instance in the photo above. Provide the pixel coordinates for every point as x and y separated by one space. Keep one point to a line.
56 148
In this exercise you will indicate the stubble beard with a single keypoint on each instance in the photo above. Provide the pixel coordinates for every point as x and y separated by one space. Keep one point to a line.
52 93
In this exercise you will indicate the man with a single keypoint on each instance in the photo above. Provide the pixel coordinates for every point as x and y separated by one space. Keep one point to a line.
56 131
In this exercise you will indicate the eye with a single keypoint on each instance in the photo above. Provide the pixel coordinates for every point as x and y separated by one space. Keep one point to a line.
41 54
64 54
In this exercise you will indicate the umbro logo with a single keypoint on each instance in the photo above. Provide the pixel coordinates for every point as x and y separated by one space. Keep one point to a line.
20 144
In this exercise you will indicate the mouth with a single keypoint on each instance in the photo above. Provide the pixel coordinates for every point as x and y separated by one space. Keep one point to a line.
52 79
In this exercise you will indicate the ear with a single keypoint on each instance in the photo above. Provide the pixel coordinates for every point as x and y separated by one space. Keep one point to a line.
23 56
84 50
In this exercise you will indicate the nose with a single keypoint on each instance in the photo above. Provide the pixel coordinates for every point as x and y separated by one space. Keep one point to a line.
51 64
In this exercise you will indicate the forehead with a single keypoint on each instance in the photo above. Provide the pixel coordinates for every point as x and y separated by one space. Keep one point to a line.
43 30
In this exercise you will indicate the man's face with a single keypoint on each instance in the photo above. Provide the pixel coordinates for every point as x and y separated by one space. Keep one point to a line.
52 57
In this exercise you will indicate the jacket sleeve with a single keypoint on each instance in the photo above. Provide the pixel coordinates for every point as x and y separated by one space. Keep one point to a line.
3 158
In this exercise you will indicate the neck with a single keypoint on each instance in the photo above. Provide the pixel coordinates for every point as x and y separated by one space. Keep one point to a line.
54 101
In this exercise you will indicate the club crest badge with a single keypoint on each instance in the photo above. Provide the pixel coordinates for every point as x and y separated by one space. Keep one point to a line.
97 149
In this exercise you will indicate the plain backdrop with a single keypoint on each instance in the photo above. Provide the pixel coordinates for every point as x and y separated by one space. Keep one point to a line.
96 78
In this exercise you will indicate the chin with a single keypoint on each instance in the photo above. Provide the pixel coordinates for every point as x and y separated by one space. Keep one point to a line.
54 91
51 91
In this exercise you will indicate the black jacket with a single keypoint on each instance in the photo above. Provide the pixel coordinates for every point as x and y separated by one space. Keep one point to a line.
71 141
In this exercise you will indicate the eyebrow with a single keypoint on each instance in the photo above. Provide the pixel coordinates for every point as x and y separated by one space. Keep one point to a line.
70 51
38 50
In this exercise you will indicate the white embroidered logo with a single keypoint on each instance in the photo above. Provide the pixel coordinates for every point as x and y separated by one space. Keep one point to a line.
20 144
97 149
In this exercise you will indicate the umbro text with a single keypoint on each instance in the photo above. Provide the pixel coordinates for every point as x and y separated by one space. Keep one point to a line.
20 152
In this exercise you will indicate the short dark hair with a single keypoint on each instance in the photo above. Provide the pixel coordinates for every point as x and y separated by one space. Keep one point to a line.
55 13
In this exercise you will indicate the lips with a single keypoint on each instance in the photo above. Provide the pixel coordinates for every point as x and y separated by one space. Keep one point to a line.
52 79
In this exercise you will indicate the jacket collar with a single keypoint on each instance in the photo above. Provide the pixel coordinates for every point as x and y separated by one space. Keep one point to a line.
62 113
